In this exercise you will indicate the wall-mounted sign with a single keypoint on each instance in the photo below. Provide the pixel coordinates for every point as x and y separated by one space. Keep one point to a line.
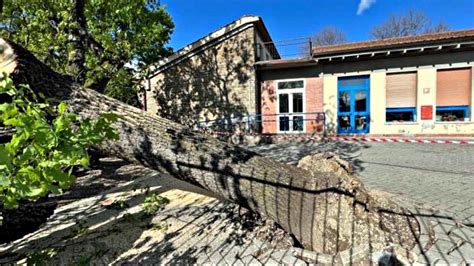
426 112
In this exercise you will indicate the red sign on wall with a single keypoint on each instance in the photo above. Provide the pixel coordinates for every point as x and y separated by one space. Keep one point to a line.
426 112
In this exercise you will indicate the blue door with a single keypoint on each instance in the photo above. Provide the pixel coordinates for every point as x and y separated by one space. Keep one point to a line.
353 105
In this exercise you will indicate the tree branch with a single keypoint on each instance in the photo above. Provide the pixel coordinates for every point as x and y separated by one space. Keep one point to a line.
77 57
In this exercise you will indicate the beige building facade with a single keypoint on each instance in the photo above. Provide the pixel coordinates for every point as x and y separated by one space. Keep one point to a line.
410 86
426 91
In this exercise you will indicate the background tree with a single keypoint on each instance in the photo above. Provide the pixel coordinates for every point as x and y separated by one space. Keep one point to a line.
329 35
411 23
101 43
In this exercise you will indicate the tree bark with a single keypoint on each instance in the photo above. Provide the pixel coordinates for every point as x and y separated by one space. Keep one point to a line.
77 57
1 8
315 205
82 39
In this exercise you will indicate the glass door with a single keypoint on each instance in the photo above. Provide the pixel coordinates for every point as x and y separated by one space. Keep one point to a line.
353 105
290 112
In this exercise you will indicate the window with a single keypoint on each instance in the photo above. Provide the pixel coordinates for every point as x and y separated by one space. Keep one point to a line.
453 94
360 101
344 101
298 123
291 106
284 123
297 84
400 97
344 122
400 114
452 113
297 102
284 103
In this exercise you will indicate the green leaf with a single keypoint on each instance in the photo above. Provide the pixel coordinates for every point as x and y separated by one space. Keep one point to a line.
27 155
84 161
10 201
32 174
4 107
62 108
4 157
6 86
4 181
111 117
48 142
35 192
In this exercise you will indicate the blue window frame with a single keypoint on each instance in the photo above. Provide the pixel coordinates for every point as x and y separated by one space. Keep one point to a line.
452 113
403 114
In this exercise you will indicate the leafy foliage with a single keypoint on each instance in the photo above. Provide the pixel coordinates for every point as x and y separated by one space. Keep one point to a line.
121 38
153 203
48 142
123 79
158 227
41 257
118 205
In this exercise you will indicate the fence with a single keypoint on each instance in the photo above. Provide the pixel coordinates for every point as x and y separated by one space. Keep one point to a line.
291 48
309 122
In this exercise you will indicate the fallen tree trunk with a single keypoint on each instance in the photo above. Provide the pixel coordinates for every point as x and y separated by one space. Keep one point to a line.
320 203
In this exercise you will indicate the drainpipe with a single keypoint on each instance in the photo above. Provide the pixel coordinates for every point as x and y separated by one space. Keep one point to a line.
148 87
258 96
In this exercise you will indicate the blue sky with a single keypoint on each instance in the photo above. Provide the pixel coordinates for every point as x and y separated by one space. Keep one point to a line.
288 19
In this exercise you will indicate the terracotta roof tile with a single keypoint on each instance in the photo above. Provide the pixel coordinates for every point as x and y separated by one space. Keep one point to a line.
400 41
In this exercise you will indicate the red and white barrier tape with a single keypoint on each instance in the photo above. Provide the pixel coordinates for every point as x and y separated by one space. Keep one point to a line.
344 138
400 140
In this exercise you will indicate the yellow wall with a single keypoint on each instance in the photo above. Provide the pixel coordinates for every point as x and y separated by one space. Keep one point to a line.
426 95
377 101
330 102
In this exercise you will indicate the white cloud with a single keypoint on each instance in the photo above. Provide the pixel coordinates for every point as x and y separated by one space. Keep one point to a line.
363 5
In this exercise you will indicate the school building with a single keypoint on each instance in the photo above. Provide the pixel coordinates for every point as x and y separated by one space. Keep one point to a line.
417 85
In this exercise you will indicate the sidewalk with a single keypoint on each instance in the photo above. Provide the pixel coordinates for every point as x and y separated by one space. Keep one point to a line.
196 228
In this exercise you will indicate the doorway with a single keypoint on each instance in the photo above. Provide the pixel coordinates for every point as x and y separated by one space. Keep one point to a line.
353 115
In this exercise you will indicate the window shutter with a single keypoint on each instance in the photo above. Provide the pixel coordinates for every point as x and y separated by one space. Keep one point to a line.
453 87
401 90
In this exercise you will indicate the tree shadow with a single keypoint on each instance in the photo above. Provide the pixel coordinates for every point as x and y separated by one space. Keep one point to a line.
297 199
83 228
215 84
283 193
291 152
249 182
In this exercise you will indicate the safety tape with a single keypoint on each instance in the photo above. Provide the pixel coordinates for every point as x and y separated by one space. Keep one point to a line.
342 138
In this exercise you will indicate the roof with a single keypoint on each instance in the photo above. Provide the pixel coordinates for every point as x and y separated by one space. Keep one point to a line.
394 42
461 40
212 38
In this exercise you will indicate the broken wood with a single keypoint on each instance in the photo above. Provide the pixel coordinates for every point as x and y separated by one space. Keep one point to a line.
320 203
